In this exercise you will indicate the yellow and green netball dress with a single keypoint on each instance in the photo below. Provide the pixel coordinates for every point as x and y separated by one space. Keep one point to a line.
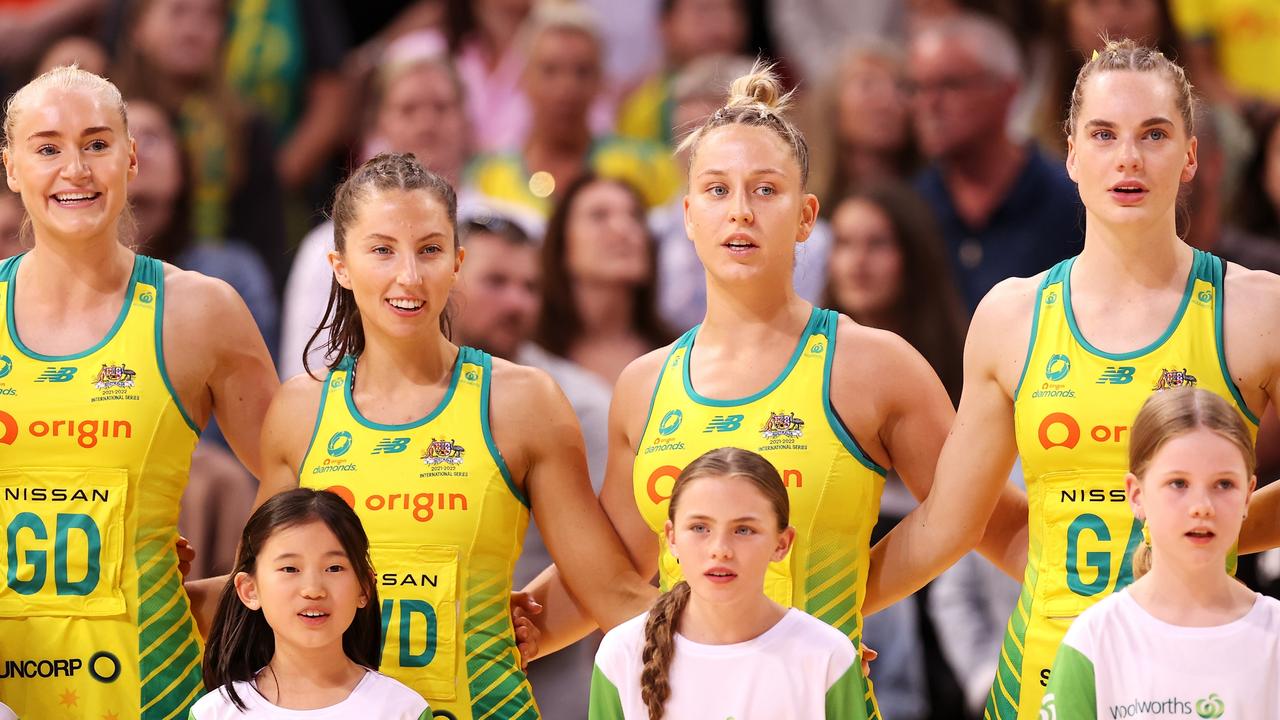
1073 408
833 486
94 456
446 524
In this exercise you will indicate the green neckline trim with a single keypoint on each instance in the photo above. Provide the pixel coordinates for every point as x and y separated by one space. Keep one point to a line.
124 312
815 316
1049 279
366 422
1196 269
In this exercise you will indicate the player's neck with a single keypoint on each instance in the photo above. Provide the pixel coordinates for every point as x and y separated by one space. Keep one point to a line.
738 313
1115 261
77 276
390 363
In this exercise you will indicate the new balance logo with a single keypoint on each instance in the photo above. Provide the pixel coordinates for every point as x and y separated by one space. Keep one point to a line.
1117 375
724 423
57 374
388 446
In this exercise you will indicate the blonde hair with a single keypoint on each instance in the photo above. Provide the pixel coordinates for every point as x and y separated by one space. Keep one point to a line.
756 99
664 617
1126 54
66 77
1171 413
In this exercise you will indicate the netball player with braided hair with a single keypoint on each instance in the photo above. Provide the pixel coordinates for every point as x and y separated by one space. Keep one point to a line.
716 645
831 404
108 370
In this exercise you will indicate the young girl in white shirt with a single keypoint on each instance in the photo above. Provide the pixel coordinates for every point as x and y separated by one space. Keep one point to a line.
1185 639
298 630
715 646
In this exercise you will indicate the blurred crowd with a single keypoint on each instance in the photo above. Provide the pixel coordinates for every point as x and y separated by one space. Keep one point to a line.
935 129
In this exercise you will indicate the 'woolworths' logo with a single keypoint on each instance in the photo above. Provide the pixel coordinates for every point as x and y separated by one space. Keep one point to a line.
1210 707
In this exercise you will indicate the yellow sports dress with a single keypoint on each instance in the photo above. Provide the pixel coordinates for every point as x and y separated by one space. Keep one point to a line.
1073 408
833 486
446 524
94 456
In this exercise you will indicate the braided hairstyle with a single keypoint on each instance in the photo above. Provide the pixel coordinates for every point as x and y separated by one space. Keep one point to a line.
664 619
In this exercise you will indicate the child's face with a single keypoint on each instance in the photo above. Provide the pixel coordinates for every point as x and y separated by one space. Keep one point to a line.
305 585
725 534
1193 496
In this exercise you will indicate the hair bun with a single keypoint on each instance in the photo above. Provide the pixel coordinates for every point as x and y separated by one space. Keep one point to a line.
761 86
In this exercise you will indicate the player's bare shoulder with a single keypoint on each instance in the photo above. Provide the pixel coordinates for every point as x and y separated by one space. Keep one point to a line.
1252 294
1000 331
1251 327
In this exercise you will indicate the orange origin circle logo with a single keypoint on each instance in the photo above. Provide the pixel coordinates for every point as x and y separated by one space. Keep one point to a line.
1065 420
666 472
8 429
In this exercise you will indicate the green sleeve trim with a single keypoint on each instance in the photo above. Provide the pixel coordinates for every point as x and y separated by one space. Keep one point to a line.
343 367
1216 275
477 357
831 321
9 267
657 385
1049 279
846 699
444 402
426 714
155 269
606 702
1072 693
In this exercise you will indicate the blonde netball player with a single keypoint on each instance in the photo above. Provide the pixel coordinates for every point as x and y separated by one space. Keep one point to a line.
1057 365
108 370
442 451
830 403
1185 635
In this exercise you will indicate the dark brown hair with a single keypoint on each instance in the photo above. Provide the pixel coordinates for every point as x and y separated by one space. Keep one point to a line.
927 313
664 618
560 323
756 99
1170 413
1255 211
386 171
241 642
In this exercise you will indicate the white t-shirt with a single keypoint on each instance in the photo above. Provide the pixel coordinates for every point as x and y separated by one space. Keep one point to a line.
375 696
799 669
1117 661
6 713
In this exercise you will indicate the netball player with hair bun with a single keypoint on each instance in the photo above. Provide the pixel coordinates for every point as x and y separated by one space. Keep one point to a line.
442 450
108 371
831 404
1056 366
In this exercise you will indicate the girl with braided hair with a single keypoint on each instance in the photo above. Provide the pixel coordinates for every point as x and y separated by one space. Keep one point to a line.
716 645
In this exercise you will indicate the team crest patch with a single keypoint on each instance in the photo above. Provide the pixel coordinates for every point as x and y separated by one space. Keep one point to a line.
114 376
1174 378
443 452
782 425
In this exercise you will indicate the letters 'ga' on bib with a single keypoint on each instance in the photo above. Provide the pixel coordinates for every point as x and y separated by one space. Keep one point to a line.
446 523
1073 408
95 451
833 487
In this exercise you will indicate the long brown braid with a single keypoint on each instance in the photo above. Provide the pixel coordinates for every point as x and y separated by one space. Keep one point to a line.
664 618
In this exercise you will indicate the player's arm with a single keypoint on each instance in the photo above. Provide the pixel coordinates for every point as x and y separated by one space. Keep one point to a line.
285 436
564 622
214 351
532 414
1257 333
970 500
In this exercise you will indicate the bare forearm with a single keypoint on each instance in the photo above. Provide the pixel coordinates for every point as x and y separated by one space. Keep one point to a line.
204 595
564 621
913 553
1261 530
1005 541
